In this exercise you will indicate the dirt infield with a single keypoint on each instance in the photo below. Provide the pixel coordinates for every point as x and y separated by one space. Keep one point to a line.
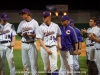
18 46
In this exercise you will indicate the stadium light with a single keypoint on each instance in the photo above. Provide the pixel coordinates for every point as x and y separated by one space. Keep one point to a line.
64 13
56 13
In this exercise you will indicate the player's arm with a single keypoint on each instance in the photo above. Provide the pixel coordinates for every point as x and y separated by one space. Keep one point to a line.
80 40
43 45
59 42
58 38
19 30
75 40
13 36
94 38
39 37
12 44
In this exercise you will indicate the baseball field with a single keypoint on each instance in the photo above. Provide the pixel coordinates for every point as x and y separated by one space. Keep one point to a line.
19 66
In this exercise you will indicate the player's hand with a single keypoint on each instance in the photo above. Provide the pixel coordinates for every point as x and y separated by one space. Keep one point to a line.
92 36
83 30
12 44
75 52
29 34
49 52
79 52
59 47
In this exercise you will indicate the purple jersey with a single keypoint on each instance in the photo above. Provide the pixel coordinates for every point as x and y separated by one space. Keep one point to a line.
68 37
79 35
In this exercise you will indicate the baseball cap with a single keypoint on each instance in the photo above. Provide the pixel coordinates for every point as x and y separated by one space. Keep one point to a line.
71 21
64 17
23 11
4 16
45 14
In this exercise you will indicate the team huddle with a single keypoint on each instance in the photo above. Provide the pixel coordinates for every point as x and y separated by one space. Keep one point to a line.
51 37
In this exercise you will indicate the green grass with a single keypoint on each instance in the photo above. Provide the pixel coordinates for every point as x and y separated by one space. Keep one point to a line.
19 67
18 38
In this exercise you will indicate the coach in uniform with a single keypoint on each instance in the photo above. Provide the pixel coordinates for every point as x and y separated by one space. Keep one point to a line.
7 41
27 30
49 37
69 43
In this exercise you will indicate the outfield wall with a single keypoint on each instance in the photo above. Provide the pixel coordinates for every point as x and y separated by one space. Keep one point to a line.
78 25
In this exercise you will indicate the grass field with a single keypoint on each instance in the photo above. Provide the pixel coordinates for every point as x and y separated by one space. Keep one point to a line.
19 67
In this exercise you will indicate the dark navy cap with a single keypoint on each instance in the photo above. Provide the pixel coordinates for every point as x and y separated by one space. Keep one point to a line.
4 16
64 17
46 13
23 11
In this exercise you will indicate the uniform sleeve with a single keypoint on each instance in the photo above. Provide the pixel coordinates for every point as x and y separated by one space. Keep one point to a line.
79 36
36 28
96 31
74 36
13 30
19 30
58 31
40 33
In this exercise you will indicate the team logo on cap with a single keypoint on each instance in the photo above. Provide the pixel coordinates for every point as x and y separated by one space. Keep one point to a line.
43 12
68 32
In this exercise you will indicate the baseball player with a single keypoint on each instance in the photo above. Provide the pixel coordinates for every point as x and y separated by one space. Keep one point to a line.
49 37
92 67
7 41
76 66
96 38
27 30
69 43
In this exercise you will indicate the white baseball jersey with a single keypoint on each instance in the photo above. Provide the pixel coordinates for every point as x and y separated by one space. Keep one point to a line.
6 33
49 33
94 30
97 45
28 27
88 41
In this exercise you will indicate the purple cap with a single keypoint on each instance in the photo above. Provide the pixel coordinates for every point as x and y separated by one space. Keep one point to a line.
46 13
64 17
4 16
23 11
71 21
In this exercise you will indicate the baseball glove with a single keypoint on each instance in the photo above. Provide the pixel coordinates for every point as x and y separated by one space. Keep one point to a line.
26 36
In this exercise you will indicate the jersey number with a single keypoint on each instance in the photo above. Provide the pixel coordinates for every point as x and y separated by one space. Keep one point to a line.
51 37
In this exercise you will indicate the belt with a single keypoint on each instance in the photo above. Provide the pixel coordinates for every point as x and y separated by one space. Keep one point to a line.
28 42
90 45
2 42
87 45
50 46
97 48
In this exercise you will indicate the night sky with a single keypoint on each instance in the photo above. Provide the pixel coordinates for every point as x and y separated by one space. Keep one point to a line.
41 4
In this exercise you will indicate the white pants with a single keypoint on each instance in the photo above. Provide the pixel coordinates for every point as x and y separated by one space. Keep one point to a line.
6 52
76 66
97 55
66 63
88 53
50 61
92 53
29 58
